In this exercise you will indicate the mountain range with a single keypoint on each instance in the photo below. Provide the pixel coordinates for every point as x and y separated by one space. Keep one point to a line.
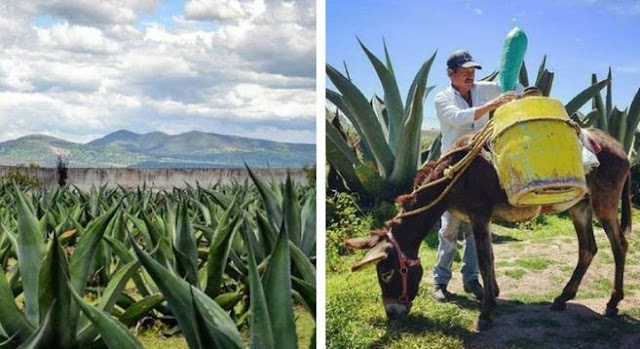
157 150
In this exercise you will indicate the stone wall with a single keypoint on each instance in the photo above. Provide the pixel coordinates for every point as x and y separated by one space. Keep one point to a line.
157 179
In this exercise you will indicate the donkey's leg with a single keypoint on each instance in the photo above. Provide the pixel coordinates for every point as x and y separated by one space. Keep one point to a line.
619 247
581 215
496 289
485 262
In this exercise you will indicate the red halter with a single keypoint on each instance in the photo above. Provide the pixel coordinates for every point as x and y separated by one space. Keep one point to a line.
404 263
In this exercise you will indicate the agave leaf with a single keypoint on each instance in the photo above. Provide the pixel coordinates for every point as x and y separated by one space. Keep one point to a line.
339 155
492 76
41 337
185 246
597 104
585 121
11 318
178 295
113 333
387 57
524 76
30 251
158 237
117 285
273 207
334 136
621 124
308 216
343 107
260 329
219 248
218 197
633 119
228 300
392 100
363 114
407 161
85 249
140 309
434 149
277 288
370 178
269 236
545 83
291 212
54 296
305 293
204 210
304 266
584 96
609 99
377 104
541 71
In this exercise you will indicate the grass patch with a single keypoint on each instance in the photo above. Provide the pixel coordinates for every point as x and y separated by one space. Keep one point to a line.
356 317
515 273
534 263
534 298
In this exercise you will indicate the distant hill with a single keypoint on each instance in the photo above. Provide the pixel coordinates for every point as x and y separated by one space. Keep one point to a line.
158 150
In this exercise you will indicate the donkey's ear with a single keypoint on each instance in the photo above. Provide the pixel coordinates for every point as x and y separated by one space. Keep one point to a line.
363 243
376 254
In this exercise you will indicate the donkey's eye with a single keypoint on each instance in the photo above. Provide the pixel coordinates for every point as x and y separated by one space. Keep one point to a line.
386 276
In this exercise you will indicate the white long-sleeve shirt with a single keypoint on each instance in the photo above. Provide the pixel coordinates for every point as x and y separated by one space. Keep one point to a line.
456 115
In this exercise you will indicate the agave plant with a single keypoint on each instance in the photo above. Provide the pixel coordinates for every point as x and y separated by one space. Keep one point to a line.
54 313
91 264
621 124
389 130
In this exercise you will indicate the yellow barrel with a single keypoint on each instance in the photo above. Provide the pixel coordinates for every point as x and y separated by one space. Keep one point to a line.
537 152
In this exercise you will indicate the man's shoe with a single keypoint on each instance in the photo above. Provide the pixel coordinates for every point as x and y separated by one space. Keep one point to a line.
440 293
475 289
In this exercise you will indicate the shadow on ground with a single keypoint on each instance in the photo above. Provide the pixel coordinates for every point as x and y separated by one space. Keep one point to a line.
412 324
518 325
526 326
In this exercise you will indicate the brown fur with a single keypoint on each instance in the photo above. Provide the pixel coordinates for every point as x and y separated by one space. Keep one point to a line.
478 196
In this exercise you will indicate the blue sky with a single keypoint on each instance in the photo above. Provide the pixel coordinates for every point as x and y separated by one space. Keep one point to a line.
579 37
81 69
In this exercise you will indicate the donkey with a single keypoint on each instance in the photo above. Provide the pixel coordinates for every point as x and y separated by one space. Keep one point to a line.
477 198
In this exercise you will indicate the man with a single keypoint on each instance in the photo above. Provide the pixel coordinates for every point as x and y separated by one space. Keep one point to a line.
462 108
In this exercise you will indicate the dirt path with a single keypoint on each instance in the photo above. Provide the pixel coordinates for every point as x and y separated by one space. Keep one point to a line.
534 272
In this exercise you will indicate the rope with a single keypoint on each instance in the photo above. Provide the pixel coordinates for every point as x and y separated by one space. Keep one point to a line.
454 172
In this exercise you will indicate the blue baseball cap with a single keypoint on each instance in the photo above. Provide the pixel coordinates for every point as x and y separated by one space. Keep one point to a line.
461 59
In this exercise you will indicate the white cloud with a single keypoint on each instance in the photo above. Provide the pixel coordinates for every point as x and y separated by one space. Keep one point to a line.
217 10
76 38
478 12
91 71
83 12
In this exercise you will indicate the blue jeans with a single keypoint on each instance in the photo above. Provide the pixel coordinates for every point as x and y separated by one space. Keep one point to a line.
447 237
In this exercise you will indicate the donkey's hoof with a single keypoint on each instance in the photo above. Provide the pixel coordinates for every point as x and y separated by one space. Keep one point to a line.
484 324
558 306
611 312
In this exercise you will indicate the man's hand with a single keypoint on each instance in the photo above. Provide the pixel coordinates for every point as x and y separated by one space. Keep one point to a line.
495 103
504 99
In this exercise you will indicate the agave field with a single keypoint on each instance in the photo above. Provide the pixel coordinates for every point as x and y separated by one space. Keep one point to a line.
226 267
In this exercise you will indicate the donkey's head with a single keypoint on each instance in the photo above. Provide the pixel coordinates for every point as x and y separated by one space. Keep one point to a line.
398 274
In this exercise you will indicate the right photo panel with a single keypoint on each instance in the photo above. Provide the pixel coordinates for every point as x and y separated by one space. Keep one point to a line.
482 174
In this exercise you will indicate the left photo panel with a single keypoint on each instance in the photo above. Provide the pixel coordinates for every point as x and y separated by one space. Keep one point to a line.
158 174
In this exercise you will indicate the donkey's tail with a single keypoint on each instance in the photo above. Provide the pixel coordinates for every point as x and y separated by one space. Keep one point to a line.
625 220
